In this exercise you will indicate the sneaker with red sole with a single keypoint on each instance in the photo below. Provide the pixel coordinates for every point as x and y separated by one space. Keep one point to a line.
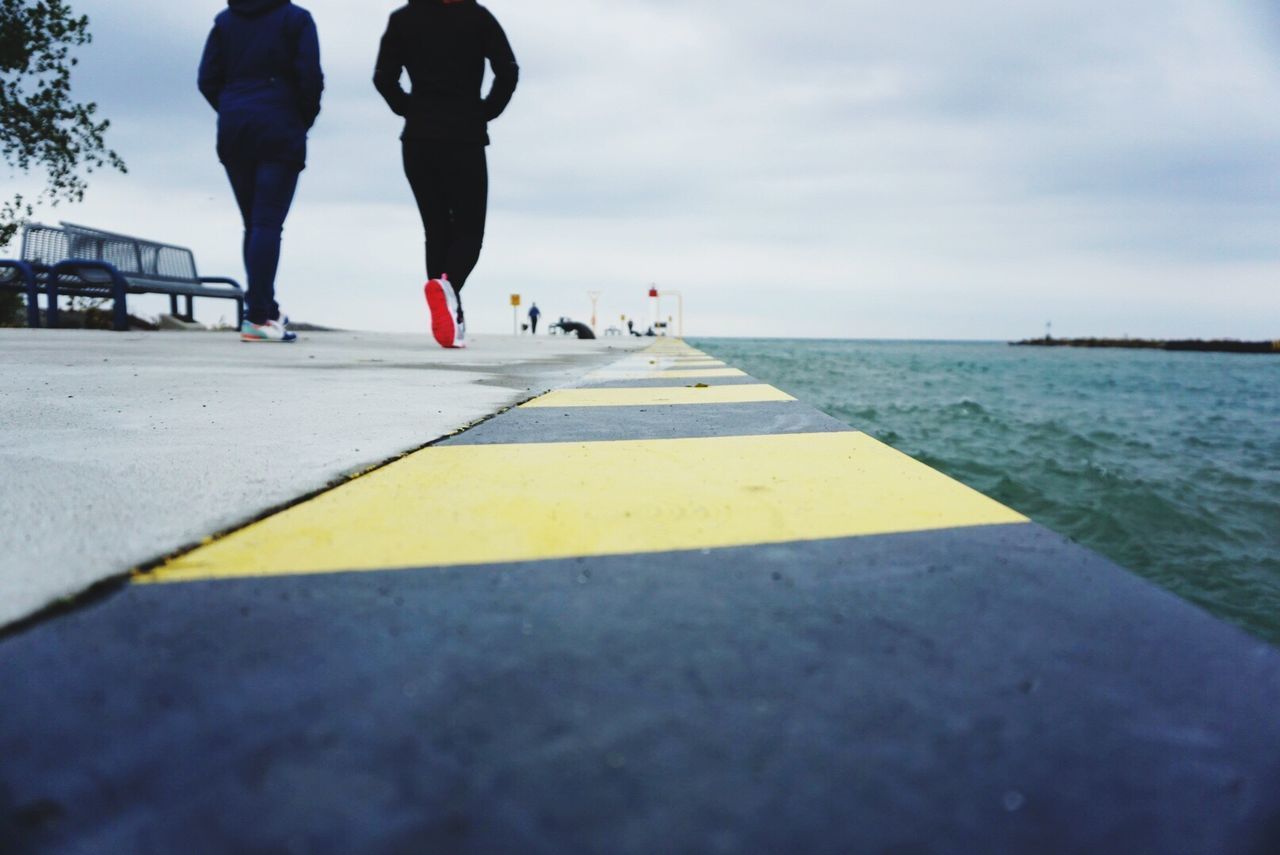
442 301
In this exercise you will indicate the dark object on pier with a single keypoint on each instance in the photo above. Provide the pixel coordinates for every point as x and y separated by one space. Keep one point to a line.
577 328
1196 345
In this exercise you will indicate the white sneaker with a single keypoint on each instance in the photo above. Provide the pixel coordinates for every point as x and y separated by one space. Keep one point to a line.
271 331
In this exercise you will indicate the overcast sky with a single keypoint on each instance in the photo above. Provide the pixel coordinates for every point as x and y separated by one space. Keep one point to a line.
841 168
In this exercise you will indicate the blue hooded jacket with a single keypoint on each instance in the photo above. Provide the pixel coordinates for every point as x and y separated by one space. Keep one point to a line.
261 72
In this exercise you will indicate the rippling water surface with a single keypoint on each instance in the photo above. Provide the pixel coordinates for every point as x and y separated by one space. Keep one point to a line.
1169 463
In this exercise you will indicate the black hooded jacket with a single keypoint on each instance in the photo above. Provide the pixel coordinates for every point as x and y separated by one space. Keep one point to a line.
444 45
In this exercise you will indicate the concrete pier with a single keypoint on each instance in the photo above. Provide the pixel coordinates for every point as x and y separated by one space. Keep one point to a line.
118 449
664 606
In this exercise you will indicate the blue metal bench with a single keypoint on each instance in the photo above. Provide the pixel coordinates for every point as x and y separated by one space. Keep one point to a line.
78 261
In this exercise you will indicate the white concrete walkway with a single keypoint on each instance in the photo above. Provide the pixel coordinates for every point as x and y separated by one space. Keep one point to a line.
118 448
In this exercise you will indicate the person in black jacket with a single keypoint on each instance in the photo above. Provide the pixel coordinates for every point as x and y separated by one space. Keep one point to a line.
261 73
444 45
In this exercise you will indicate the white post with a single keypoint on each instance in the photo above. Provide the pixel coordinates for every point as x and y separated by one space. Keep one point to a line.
679 311
595 301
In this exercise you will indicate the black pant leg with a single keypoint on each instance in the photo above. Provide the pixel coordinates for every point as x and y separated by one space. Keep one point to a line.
467 178
427 180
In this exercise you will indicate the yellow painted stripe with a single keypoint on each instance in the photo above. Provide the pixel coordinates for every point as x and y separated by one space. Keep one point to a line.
664 374
746 394
466 505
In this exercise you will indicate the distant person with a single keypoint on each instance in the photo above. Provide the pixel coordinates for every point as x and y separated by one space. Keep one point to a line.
261 73
631 327
534 314
444 45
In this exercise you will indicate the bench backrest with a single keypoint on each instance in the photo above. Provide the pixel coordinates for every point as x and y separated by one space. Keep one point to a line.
133 257
44 245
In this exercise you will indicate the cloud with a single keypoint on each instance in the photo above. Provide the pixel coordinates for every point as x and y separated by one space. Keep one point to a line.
843 167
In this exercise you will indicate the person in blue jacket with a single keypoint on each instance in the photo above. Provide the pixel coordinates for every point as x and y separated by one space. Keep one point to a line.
261 73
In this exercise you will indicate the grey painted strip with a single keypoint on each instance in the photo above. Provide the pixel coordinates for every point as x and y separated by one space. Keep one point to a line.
980 690
589 424
663 382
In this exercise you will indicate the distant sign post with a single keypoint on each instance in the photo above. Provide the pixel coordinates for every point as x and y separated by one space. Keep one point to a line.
594 296
515 314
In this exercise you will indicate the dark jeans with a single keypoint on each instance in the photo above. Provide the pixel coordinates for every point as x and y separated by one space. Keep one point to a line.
450 182
264 191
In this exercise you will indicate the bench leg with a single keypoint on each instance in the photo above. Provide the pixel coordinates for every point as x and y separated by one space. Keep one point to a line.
119 310
191 310
173 305
76 267
30 287
33 295
33 305
51 297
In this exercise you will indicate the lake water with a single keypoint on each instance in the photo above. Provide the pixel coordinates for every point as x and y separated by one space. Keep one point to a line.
1168 463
